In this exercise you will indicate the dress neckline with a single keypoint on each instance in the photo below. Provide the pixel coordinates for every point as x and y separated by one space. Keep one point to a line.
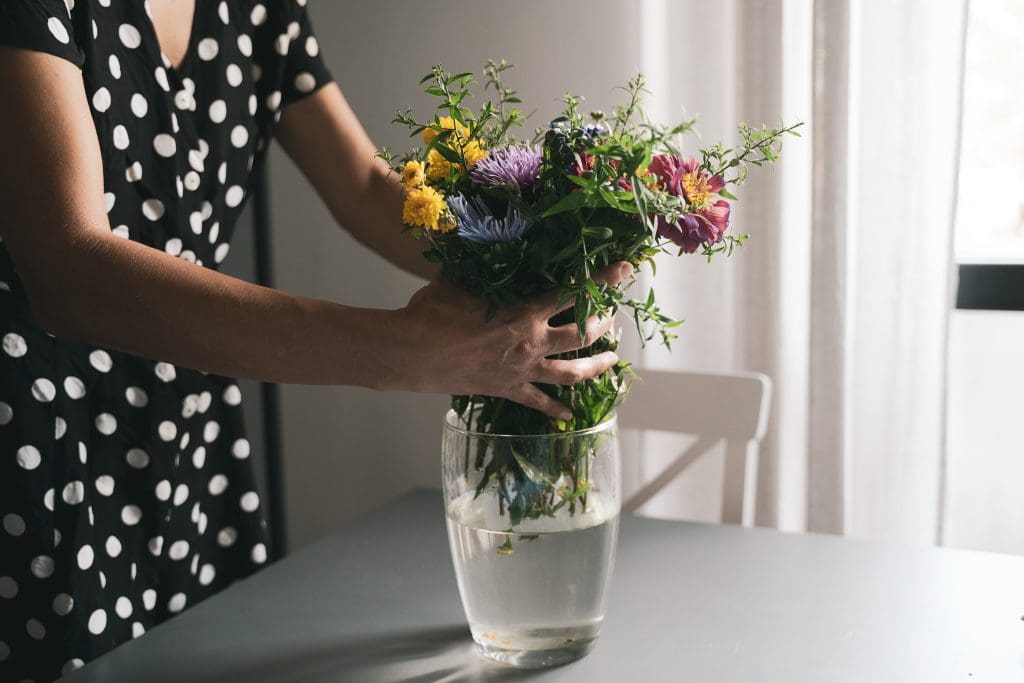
182 67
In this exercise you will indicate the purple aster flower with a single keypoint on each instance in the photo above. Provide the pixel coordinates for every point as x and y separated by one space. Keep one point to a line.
508 166
477 223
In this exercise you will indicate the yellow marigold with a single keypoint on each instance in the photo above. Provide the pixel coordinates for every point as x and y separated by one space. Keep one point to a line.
423 208
413 174
437 166
473 151
448 123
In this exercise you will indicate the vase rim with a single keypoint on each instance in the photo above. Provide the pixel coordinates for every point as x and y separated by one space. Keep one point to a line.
452 422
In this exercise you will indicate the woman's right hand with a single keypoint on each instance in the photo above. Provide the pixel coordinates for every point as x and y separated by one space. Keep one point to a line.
450 347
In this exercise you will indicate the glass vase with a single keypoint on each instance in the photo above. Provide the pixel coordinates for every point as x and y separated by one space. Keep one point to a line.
533 524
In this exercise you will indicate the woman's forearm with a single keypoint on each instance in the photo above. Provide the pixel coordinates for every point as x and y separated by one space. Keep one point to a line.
131 297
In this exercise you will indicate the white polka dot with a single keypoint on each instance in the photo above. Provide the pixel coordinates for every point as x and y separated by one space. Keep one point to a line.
165 371
156 545
129 35
312 47
191 181
83 454
214 232
183 99
153 209
74 388
274 100
163 489
293 30
239 136
167 430
195 159
101 360
97 622
106 424
76 663
281 44
184 441
43 390
233 197
8 587
92 518
35 629
120 231
14 524
60 427
226 537
136 397
240 449
305 82
113 546
234 75
222 172
207 574
28 457
95 29
164 145
14 345
85 557
132 174
221 252
218 483
173 246
108 201
48 499
161 78
115 66
204 401
121 137
202 523
137 629
6 413
105 484
180 494
149 598
258 15
123 607
210 431
178 550
139 105
222 11
137 458
259 553
176 603
199 457
62 604
57 29
101 100
245 45
232 395
131 514
42 566
218 110
249 501
207 49
74 492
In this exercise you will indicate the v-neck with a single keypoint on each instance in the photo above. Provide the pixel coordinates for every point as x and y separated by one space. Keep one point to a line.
183 66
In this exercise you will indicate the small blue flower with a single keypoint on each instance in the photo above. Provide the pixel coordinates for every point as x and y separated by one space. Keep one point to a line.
478 224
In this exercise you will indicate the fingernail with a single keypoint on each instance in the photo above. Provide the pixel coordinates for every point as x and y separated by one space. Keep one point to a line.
625 270
565 415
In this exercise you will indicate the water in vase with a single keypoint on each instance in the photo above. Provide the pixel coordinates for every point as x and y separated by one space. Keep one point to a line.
535 597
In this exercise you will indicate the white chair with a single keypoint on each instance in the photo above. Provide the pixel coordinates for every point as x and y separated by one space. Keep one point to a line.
712 406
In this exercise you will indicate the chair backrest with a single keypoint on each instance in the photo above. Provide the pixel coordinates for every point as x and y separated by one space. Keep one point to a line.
712 406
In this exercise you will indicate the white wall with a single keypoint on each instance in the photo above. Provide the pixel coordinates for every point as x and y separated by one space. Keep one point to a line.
346 449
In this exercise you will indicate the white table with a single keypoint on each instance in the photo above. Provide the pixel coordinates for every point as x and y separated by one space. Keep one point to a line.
377 601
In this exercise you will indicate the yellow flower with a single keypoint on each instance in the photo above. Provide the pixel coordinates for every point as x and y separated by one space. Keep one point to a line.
448 123
473 151
423 208
437 166
412 174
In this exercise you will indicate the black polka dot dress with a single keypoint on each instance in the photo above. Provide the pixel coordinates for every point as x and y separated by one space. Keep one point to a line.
126 486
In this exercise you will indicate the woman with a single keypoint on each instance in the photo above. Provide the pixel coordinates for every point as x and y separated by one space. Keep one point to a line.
129 133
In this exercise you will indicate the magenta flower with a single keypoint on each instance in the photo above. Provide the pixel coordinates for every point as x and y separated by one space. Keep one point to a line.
706 219
505 166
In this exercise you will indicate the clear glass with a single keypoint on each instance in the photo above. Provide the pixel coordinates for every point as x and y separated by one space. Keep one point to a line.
533 524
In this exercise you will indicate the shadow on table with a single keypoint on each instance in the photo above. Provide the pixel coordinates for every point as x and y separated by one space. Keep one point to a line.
445 654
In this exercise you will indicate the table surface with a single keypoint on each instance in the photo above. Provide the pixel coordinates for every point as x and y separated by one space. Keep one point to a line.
377 601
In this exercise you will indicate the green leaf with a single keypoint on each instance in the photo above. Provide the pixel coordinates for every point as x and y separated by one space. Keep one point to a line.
597 232
570 202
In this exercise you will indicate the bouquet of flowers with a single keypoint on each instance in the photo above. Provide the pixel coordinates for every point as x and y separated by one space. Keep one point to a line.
508 219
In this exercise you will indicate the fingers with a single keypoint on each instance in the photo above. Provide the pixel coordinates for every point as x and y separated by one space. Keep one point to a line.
549 304
554 371
567 337
532 397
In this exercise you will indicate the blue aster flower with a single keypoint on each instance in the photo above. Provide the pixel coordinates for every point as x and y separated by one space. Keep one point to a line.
477 223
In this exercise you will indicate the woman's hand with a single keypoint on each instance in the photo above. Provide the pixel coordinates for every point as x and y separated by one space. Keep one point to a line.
451 348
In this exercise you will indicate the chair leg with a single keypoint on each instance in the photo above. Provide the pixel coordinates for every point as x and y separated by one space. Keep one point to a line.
739 487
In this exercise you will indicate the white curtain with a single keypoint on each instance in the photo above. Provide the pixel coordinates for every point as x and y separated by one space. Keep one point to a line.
842 295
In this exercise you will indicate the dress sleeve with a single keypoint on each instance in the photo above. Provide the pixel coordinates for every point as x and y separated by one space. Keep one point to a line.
41 25
305 71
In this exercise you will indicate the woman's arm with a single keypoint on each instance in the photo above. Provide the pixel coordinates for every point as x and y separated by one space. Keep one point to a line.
331 148
84 283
